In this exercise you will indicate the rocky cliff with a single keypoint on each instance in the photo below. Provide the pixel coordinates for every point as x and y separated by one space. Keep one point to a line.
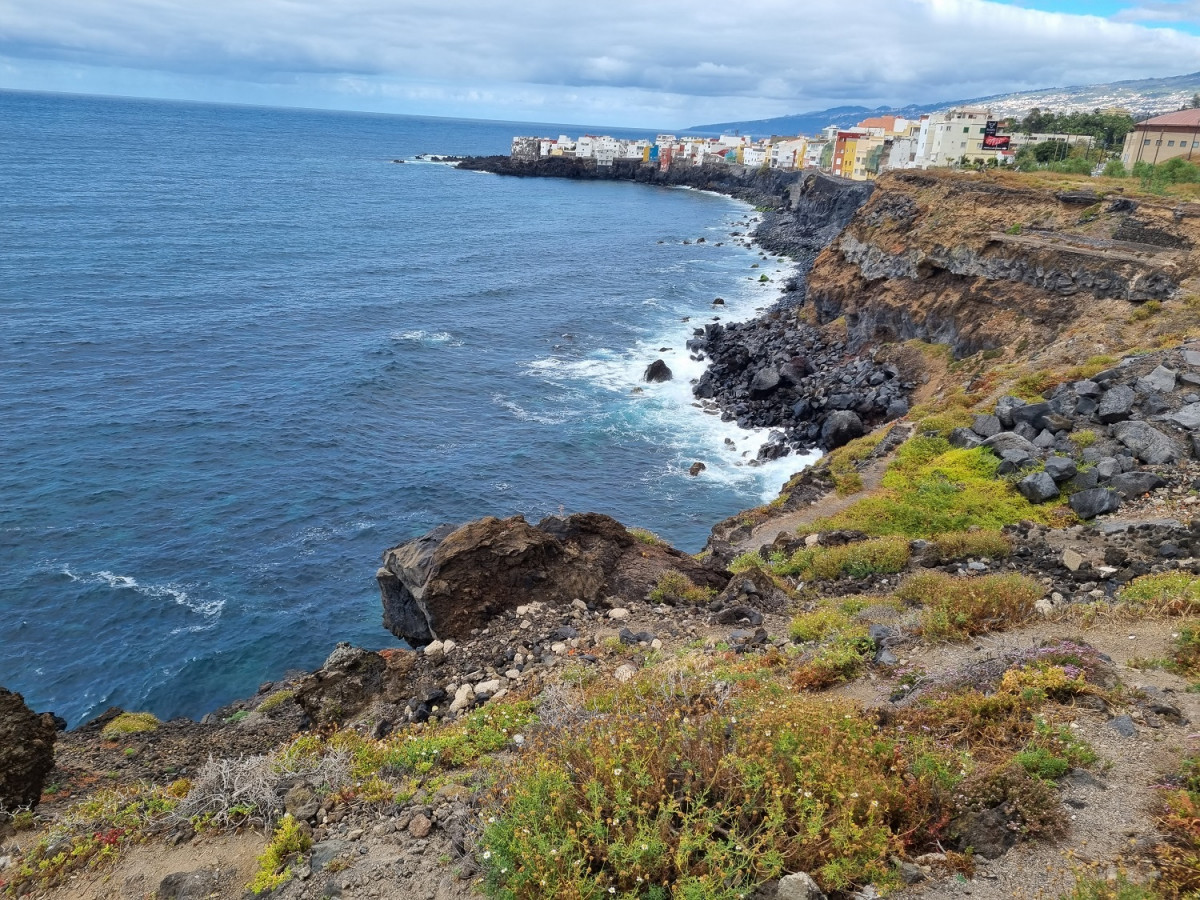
979 261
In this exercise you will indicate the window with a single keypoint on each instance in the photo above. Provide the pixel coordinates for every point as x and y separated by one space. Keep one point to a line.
1147 142
1170 143
967 130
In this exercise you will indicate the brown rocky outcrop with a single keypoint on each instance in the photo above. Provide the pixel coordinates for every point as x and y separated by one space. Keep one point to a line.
26 751
979 261
453 580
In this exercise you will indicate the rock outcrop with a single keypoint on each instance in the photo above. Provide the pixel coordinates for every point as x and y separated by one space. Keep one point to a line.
454 580
26 751
976 262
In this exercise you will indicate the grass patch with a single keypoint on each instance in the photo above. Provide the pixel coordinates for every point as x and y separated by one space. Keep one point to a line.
858 560
1094 888
676 588
1034 385
642 536
818 624
1175 593
276 700
129 723
955 607
90 835
932 488
986 544
843 462
1094 366
1083 438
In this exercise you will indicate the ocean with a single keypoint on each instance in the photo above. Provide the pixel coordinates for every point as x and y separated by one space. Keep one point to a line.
244 352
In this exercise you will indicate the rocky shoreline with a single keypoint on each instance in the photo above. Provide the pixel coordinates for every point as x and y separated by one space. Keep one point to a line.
775 371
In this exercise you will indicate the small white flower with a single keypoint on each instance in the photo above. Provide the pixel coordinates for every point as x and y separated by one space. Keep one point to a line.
616 771
854 794
612 890
487 854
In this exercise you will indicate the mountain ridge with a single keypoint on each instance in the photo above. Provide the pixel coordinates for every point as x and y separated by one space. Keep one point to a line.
1143 97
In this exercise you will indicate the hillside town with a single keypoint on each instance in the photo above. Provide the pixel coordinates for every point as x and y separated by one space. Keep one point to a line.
960 137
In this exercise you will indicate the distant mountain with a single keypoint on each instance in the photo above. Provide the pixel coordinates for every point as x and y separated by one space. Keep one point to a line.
1144 97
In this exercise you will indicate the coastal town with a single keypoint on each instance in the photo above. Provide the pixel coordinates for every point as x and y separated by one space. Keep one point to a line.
961 137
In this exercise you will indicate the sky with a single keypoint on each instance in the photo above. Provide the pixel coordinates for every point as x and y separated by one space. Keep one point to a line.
629 63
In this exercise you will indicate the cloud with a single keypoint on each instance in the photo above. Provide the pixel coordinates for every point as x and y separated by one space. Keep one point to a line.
701 59
1162 11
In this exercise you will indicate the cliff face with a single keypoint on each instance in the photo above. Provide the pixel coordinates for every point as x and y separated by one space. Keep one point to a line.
975 262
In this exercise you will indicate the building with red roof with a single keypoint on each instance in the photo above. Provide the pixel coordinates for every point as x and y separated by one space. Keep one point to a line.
1164 137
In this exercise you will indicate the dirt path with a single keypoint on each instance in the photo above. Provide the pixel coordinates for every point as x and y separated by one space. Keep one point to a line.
830 504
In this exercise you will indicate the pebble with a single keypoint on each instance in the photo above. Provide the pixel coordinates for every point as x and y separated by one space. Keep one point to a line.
618 614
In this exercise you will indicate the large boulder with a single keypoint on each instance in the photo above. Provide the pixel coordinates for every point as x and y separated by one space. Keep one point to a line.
26 751
1148 444
1116 405
1010 440
454 580
1094 502
840 428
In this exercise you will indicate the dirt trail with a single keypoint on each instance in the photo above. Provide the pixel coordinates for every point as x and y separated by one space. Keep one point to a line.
828 505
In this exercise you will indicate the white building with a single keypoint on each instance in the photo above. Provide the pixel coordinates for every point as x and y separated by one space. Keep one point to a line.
788 153
947 137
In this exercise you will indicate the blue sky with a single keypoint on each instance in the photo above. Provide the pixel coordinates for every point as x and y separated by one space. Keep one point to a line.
622 62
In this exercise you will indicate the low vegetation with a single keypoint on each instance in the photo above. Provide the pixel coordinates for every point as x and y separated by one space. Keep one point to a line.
932 488
129 723
856 560
275 865
954 607
675 588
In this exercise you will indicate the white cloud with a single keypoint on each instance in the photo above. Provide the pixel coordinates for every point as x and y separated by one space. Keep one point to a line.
695 60
1162 11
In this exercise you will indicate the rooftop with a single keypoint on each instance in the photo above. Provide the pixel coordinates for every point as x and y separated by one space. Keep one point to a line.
1188 118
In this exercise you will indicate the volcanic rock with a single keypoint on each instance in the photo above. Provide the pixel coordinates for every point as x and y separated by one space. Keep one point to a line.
26 751
657 371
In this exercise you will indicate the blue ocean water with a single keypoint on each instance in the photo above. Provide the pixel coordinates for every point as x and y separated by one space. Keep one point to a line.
243 352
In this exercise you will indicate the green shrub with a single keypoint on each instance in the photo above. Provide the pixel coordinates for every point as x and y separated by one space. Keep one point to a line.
817 625
276 700
932 488
1083 438
674 587
129 723
1175 593
1145 311
839 660
959 607
667 795
858 560
1114 168
275 864
745 562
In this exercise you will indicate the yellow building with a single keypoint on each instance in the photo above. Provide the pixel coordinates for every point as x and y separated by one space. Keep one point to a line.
1164 137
